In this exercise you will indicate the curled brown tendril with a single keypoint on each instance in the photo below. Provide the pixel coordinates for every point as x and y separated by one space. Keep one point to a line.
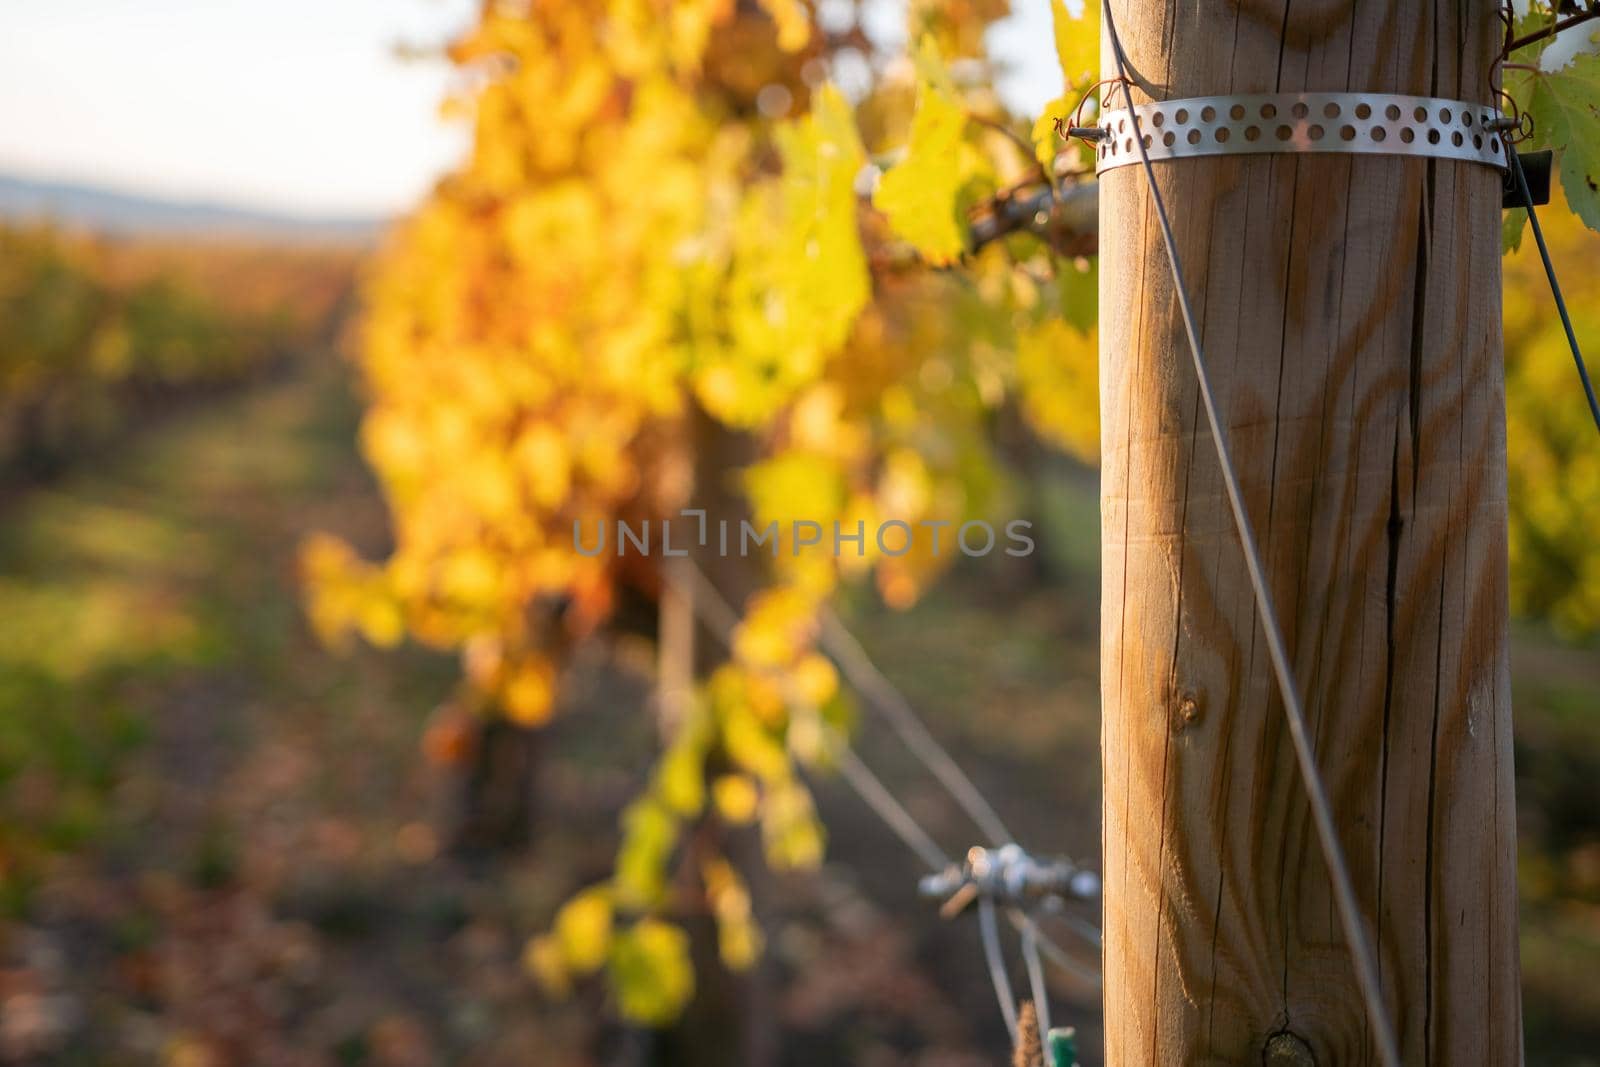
1063 125
1521 127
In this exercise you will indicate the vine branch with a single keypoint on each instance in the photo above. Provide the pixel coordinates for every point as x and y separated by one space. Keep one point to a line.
1559 26
1066 219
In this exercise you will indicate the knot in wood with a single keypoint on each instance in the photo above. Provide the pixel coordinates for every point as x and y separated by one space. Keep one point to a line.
1185 712
1284 1049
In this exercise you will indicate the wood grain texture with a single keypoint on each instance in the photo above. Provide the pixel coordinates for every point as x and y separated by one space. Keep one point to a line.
1351 317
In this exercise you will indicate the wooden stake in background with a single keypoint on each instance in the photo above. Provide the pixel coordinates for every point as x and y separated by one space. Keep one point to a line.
1350 312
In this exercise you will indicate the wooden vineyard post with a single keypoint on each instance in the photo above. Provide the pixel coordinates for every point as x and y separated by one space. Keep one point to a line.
1350 312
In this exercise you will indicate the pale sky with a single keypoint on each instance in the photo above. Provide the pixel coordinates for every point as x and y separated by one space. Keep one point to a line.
291 105
296 105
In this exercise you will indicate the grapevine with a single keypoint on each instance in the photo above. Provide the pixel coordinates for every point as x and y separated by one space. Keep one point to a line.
670 215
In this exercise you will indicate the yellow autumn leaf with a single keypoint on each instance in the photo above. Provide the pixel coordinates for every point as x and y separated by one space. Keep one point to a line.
543 958
380 620
1077 41
739 942
540 455
583 930
680 776
470 576
814 679
794 26
798 277
528 692
919 195
651 972
752 746
792 835
348 593
825 273
739 939
777 623
795 486
736 798
1058 372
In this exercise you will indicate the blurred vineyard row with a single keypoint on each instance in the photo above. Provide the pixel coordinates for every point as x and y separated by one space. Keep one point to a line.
95 331
101 340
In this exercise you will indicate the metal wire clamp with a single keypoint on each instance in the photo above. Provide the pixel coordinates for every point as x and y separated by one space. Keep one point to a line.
1011 878
1370 124
1008 875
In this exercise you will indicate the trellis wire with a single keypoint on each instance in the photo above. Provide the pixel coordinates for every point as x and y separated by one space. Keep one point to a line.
1515 164
718 614
888 809
1036 986
867 679
989 928
1361 952
1024 923
883 803
858 667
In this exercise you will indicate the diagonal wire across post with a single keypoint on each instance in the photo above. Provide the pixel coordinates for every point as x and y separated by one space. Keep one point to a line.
719 615
1362 954
865 676
1514 162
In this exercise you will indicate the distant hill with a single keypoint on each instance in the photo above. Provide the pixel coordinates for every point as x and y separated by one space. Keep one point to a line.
112 211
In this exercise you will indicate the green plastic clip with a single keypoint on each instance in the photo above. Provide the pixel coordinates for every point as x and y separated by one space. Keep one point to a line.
1062 1044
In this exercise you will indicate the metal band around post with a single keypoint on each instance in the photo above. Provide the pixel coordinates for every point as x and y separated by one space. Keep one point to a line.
1368 124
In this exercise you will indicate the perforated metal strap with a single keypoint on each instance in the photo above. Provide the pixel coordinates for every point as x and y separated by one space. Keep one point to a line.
1381 124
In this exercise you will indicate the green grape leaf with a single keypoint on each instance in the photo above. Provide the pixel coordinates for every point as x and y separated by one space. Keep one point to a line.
681 772
680 780
1565 105
651 972
649 833
919 194
1536 18
1512 224
752 746
1077 41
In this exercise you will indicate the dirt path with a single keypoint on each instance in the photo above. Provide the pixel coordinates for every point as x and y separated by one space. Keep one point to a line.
263 885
